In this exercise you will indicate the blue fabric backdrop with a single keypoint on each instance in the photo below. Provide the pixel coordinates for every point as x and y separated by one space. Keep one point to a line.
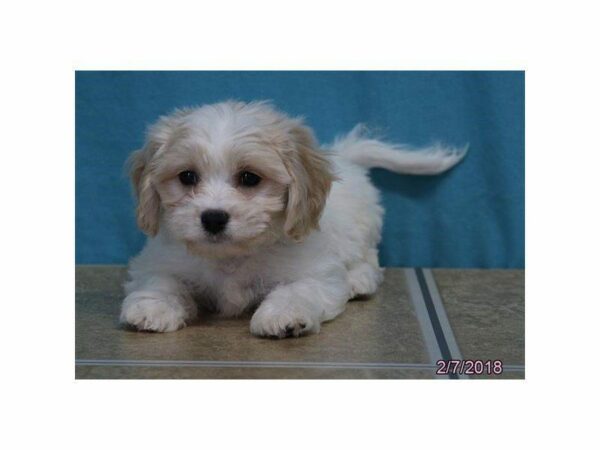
472 216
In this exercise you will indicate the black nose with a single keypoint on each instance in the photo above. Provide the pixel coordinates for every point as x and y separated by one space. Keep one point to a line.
214 220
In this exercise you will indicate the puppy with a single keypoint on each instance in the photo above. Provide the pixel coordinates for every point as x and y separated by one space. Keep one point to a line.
244 212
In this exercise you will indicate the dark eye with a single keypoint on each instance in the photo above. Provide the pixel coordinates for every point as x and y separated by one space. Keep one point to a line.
249 179
189 178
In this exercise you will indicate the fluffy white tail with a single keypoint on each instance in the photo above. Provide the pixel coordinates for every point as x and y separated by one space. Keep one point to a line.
368 152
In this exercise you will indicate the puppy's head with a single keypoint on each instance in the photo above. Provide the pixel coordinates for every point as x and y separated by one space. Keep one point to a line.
228 178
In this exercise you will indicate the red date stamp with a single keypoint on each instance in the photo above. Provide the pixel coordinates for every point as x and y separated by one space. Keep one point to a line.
469 367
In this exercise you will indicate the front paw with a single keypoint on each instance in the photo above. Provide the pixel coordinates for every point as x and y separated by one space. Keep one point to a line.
154 311
274 322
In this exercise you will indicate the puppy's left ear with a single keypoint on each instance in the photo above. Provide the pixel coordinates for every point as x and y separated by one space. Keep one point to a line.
311 177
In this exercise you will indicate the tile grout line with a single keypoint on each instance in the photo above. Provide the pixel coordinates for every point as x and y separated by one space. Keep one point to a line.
429 333
261 364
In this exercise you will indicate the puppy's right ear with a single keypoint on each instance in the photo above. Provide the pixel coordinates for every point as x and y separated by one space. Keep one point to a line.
148 208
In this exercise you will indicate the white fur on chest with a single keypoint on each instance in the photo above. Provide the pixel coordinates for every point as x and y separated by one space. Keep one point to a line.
228 286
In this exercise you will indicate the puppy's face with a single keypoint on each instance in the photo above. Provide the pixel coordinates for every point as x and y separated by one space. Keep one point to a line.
228 178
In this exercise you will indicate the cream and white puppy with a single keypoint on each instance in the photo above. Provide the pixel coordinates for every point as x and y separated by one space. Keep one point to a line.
244 211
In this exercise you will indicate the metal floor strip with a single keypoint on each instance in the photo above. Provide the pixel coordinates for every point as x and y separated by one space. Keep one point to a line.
432 317
442 316
263 364
416 296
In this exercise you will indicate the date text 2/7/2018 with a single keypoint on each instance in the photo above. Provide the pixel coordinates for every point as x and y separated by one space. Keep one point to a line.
469 367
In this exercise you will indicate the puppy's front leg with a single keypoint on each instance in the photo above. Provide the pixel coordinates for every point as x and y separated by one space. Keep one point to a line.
299 308
158 303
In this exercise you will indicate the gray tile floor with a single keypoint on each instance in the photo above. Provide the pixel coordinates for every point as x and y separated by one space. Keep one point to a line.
379 337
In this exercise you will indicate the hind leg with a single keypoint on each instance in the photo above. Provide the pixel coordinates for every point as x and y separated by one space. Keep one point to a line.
366 275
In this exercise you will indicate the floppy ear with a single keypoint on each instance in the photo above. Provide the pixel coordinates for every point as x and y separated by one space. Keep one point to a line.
311 177
148 208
